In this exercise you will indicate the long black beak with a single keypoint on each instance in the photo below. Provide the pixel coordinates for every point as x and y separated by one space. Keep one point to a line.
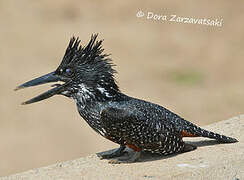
50 77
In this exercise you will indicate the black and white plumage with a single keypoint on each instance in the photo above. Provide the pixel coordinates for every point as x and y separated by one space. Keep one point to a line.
88 77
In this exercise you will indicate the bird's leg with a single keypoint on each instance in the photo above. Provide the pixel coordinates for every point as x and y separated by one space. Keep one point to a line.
130 159
133 156
117 153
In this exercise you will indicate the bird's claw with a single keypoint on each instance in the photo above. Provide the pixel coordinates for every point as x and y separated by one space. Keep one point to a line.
128 159
116 153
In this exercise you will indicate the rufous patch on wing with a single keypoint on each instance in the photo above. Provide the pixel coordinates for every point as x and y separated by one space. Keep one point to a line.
137 149
187 134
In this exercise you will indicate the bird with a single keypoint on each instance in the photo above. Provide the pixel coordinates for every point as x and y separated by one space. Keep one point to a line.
87 75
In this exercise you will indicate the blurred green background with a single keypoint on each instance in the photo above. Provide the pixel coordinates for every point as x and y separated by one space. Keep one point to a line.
193 70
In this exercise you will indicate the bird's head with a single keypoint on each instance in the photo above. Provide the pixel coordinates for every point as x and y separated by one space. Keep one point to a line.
84 72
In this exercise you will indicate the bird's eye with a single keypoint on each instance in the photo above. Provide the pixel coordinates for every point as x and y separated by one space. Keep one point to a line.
68 72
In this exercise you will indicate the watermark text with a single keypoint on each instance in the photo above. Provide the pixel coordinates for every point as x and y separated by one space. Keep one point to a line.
173 18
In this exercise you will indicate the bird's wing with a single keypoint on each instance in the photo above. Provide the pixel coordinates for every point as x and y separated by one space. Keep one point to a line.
112 119
113 116
117 113
134 125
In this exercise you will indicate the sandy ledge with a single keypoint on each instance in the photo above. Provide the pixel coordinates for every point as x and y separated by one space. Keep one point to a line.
209 161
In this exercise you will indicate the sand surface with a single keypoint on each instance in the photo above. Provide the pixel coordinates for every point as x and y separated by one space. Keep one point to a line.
209 161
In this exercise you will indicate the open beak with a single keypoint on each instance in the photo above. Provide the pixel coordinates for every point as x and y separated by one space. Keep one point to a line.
50 77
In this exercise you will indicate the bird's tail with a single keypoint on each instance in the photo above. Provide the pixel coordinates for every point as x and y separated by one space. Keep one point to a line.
191 130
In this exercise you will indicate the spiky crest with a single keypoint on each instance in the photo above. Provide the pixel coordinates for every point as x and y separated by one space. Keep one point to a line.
89 61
